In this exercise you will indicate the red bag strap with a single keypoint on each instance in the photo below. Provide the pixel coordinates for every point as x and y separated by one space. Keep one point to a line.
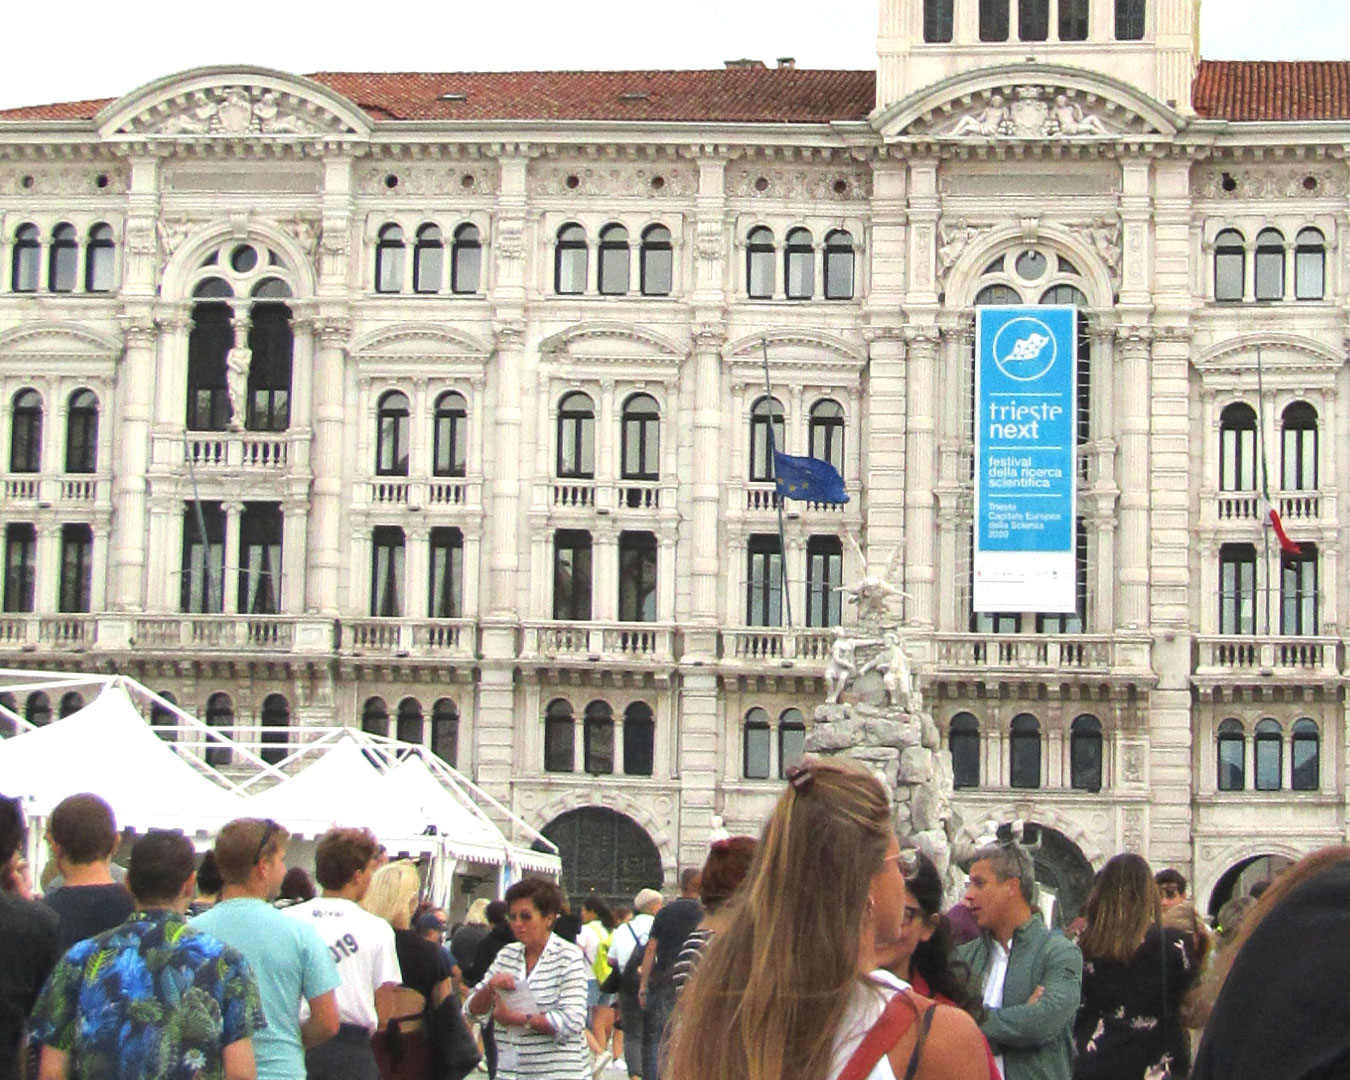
897 1018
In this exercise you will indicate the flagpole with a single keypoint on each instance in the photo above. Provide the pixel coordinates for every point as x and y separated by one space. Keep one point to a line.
783 590
1265 478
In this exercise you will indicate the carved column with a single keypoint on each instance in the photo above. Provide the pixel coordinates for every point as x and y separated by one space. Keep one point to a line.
331 466
234 512
506 470
704 525
921 399
136 380
605 571
1133 425
47 574
417 571
295 511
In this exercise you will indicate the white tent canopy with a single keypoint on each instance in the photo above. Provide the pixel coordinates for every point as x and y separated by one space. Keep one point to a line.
108 748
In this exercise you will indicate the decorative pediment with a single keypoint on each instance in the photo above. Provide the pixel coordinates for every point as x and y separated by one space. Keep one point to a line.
419 341
57 340
796 348
1281 354
232 103
1033 102
599 342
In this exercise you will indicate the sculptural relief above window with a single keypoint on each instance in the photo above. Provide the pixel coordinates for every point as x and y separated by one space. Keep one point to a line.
650 180
89 179
820 185
1237 181
1029 112
235 111
447 181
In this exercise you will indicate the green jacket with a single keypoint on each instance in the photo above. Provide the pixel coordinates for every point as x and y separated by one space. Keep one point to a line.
1036 1041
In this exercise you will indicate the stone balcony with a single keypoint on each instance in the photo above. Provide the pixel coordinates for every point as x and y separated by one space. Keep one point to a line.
436 493
761 499
777 645
56 633
1226 509
438 639
1039 655
1289 659
31 491
236 633
213 453
609 496
652 643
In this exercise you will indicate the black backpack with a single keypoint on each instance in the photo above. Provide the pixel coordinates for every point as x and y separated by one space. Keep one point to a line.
628 979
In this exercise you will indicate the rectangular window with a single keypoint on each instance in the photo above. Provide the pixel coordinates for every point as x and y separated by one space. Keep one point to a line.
759 271
1268 751
203 577
1237 459
757 742
763 582
1033 20
1269 273
824 575
987 622
637 577
1298 593
386 572
1309 273
212 337
446 599
1230 267
20 567
1073 20
1237 589
1232 769
260 559
638 748
572 575
1298 465
1130 20
77 567
559 750
993 20
598 751
937 21
1064 623
269 372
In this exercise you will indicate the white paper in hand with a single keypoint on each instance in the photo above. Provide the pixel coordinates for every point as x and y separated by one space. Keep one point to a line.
520 999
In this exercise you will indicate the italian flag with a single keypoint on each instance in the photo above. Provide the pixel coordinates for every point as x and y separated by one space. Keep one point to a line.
1286 544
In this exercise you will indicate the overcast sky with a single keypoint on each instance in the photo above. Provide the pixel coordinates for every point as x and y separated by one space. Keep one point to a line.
64 50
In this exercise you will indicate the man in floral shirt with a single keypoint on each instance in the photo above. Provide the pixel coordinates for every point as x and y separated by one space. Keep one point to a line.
152 999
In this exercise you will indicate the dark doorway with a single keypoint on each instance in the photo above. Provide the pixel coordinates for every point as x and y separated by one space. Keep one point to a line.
606 853
1239 878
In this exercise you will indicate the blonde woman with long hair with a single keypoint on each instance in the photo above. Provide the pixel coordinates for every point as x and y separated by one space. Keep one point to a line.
788 990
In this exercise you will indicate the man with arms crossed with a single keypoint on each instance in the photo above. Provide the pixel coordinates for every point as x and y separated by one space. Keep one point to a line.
290 961
1031 979
361 944
152 998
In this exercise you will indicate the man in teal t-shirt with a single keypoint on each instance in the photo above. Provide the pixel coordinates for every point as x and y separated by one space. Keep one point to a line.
289 960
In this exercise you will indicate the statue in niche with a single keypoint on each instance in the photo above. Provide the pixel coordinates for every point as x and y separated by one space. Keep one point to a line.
1068 118
237 362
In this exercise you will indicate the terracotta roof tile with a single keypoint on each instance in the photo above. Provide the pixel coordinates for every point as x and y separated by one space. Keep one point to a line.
66 110
1273 90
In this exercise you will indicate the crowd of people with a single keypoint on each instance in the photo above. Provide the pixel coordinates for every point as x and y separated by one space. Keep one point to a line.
820 950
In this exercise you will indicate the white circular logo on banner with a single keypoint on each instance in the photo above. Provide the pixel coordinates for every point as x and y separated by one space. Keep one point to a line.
1024 349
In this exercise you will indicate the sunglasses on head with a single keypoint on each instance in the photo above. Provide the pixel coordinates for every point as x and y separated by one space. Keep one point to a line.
270 829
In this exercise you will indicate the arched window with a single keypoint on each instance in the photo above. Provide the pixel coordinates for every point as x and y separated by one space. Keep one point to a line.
1073 20
450 453
764 412
445 731
1298 592
559 741
759 261
614 260
657 261
1237 448
1129 20
209 343
1069 296
220 717
391 433
272 342
1085 754
1310 265
997 296
1025 752
27 259
375 717
1232 756
1270 265
63 259
82 432
389 260
839 265
410 721
963 739
937 21
163 719
1230 265
276 720
1237 589
791 740
639 739
570 261
71 703
827 433
37 709
993 20
576 437
428 260
641 438
1298 445
756 745
466 271
1306 774
25 433
1269 750
799 265
100 260
1033 20
598 744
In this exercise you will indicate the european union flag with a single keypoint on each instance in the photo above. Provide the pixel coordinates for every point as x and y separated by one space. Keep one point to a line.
808 479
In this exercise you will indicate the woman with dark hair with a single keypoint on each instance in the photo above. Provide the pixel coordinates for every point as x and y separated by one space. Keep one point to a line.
1282 992
725 868
789 989
597 928
296 888
536 991
1135 974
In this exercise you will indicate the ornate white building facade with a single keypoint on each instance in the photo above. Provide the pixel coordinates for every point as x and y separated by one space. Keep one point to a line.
435 403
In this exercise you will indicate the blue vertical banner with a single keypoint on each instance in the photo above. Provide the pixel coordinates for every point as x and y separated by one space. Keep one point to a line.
1025 479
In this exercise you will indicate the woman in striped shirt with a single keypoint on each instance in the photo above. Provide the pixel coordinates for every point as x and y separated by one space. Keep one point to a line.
536 990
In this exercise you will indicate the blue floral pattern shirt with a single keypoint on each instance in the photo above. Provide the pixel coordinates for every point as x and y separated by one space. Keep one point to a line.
152 999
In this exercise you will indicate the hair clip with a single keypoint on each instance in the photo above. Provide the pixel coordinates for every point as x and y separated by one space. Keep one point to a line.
801 777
